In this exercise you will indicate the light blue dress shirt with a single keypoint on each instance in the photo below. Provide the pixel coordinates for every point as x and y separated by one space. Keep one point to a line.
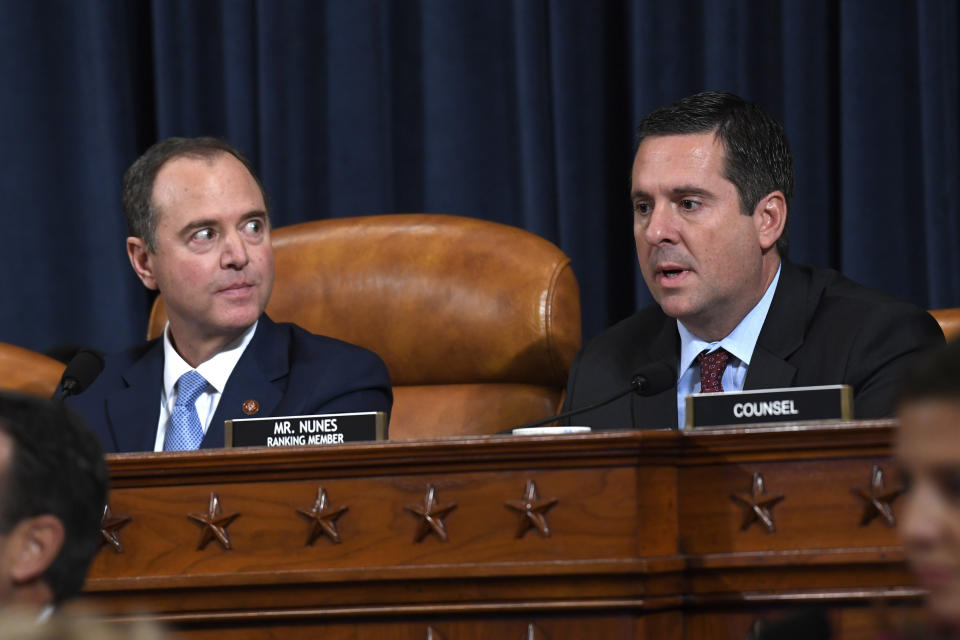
739 343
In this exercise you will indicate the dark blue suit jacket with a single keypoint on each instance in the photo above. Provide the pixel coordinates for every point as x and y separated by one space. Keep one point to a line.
287 370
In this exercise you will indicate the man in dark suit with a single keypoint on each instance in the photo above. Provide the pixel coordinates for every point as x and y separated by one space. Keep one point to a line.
712 181
200 234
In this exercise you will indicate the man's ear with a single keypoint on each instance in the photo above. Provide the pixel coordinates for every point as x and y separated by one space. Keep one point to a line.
770 218
33 545
141 259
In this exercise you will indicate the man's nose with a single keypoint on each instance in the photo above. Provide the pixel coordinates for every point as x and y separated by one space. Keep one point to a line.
661 226
234 252
922 515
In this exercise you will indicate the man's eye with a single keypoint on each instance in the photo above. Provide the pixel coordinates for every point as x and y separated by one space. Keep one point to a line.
689 205
202 234
949 483
642 208
254 227
906 479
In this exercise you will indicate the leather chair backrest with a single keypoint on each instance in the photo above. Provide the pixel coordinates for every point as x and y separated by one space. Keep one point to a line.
28 372
478 322
949 320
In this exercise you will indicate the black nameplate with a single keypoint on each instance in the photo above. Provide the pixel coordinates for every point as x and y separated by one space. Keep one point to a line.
797 404
303 431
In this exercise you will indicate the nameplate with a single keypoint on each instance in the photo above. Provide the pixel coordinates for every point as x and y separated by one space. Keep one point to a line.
795 404
304 431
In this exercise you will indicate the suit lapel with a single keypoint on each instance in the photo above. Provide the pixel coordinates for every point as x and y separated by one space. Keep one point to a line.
134 412
782 333
659 410
263 362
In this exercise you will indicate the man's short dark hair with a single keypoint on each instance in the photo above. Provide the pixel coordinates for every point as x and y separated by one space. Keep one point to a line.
138 180
935 376
56 468
757 159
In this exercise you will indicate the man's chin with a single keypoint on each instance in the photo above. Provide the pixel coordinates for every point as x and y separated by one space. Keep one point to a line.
675 306
233 320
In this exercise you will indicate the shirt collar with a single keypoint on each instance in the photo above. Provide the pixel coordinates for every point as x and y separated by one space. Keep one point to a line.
740 342
216 370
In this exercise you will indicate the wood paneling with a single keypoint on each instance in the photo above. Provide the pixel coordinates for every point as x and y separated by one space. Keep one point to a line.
645 540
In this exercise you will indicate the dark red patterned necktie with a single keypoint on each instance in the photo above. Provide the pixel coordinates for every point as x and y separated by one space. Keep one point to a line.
711 370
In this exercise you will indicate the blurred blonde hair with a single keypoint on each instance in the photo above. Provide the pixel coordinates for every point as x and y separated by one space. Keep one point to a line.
19 625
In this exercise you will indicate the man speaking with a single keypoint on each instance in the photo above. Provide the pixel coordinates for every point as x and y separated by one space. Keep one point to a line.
711 185
200 234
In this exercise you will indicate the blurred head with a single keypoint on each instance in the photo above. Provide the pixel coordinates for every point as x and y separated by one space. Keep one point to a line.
200 234
928 453
712 178
53 486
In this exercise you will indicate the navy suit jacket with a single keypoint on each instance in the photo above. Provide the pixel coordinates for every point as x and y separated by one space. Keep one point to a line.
821 329
287 370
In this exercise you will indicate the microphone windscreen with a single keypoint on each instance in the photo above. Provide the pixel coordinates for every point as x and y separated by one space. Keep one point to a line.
83 369
654 378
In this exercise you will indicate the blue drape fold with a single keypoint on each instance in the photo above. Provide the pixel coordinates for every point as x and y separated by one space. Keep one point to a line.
519 111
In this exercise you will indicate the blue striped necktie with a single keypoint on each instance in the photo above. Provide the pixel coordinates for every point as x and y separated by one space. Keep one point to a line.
185 433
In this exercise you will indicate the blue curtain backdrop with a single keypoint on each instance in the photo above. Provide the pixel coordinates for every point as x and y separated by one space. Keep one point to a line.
519 111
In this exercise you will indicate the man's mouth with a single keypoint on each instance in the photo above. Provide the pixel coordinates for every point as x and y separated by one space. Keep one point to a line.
671 272
238 287
933 576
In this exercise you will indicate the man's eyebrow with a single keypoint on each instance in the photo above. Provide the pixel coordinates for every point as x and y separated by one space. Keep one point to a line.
256 213
682 190
690 190
210 222
198 224
946 469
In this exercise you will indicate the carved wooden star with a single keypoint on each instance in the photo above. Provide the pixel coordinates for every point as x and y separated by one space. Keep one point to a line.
323 518
214 524
431 516
757 505
532 511
110 526
878 501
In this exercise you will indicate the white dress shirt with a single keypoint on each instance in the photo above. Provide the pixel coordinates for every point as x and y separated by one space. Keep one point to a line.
216 371
739 343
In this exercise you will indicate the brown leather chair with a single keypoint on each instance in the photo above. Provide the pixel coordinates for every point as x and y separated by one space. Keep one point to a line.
949 320
478 322
28 372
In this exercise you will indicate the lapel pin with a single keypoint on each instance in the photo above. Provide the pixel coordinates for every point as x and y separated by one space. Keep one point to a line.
250 407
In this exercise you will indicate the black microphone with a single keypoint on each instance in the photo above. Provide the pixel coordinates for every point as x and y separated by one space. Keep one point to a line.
648 380
82 370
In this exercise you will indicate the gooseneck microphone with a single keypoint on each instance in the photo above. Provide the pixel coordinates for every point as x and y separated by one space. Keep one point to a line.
82 370
648 380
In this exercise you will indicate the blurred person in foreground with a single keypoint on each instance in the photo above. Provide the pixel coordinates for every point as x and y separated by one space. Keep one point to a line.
928 453
53 487
74 626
